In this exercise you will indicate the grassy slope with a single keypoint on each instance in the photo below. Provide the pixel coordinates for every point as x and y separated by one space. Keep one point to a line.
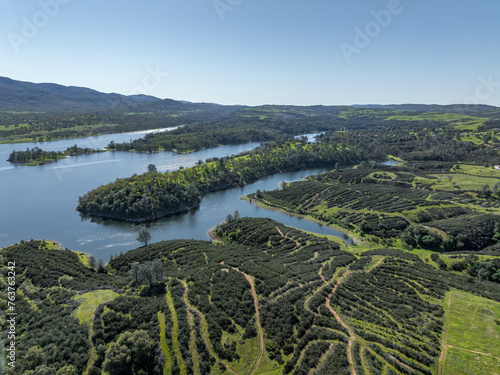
175 336
89 301
167 367
461 122
474 328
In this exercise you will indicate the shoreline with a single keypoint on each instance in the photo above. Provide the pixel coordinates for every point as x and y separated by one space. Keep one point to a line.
357 241
4 141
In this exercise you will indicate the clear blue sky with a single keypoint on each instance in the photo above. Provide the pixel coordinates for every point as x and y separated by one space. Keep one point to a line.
260 52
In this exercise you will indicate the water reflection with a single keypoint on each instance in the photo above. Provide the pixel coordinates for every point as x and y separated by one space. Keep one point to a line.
39 202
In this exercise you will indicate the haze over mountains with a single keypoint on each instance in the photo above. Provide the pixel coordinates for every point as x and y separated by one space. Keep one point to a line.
50 97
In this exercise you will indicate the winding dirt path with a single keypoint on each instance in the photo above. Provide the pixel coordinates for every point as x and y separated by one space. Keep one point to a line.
376 265
257 320
312 199
444 341
291 239
352 337
93 351
306 302
473 351
204 332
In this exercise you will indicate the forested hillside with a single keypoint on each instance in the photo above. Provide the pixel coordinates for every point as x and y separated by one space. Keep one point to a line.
266 298
150 196
153 195
432 205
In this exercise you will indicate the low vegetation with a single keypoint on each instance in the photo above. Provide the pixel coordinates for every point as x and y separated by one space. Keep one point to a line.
320 307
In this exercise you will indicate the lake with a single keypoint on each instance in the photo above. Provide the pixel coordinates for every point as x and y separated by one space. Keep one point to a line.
39 202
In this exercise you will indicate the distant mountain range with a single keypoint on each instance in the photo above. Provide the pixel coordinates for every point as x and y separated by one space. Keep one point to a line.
28 96
50 97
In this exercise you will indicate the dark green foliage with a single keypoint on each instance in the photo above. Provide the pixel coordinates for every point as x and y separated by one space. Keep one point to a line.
177 290
385 307
153 195
419 236
432 214
133 354
360 264
373 363
485 270
471 232
38 155
45 267
312 355
380 197
436 258
336 362
147 272
47 334
356 353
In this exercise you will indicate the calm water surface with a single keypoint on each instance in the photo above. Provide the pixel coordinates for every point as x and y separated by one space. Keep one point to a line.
39 202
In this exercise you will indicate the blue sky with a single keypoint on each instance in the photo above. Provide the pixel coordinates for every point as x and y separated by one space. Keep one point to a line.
330 52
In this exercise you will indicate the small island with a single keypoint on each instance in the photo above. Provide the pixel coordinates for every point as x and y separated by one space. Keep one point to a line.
37 156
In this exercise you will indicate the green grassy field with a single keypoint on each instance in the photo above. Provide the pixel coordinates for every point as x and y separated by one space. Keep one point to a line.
167 367
477 170
10 127
450 182
84 258
461 122
473 335
89 302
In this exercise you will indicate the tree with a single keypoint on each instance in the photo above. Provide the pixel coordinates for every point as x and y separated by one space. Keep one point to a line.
152 168
449 243
134 271
157 269
92 262
145 273
144 235
67 370
496 188
149 272
485 191
229 218
118 358
34 357
100 265
236 216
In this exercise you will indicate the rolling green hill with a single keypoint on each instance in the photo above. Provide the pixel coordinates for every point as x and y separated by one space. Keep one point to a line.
266 299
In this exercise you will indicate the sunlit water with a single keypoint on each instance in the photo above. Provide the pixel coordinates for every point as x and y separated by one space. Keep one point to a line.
39 202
